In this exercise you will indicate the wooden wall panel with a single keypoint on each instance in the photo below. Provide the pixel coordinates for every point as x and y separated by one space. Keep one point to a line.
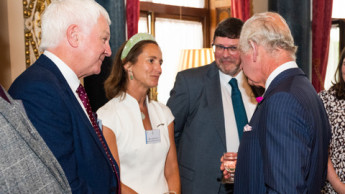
219 10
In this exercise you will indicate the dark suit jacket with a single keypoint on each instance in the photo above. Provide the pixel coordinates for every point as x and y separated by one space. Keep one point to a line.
56 113
287 149
26 163
196 103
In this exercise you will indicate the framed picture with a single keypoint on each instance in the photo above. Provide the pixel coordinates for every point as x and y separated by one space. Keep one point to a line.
222 13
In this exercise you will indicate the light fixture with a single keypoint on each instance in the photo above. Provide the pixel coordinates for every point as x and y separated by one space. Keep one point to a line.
190 58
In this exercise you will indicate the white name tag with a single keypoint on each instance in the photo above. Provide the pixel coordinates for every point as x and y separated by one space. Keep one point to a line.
100 125
152 136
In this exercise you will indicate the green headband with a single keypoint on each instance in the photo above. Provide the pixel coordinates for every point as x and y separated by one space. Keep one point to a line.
133 41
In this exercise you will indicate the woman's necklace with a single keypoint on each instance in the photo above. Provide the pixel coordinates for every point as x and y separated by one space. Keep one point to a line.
142 115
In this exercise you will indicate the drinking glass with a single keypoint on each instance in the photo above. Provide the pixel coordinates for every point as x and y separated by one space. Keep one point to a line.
229 162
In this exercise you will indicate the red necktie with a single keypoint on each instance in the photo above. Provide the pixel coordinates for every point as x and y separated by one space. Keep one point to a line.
83 97
3 95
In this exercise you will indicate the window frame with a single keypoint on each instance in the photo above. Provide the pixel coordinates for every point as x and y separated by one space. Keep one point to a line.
153 10
341 24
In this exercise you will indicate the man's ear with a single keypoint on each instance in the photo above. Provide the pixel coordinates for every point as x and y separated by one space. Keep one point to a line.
73 35
255 50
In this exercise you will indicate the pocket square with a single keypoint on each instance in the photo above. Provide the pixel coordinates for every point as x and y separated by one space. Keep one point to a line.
259 99
247 128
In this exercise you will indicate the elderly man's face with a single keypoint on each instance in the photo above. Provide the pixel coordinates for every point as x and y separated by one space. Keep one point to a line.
227 55
251 68
95 48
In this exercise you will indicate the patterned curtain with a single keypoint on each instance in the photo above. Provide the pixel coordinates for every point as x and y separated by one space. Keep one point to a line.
240 9
133 14
94 84
321 25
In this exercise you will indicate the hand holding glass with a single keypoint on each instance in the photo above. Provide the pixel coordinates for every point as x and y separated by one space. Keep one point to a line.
229 162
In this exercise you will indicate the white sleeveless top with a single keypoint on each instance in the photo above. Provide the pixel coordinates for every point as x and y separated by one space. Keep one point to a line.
141 165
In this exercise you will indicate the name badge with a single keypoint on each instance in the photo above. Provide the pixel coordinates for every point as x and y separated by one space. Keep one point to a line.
100 125
152 136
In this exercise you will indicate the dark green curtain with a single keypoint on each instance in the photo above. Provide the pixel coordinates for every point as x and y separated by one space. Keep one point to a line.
297 14
94 84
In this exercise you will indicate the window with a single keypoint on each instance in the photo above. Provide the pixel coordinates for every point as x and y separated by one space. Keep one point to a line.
337 41
333 56
175 28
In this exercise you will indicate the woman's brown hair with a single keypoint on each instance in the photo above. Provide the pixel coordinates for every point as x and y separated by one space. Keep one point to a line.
339 85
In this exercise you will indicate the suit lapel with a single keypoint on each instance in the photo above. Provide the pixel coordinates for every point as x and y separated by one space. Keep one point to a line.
214 101
15 115
281 77
277 81
67 94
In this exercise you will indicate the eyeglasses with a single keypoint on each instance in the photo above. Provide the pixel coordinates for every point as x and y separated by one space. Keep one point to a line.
220 48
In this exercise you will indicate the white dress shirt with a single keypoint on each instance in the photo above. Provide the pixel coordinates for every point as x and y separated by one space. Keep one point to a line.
278 70
69 75
249 101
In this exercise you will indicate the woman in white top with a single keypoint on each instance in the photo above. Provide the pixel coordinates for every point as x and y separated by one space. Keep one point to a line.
138 130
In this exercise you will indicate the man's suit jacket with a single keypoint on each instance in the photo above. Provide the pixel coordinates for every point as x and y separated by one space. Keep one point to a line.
286 149
26 163
59 118
196 103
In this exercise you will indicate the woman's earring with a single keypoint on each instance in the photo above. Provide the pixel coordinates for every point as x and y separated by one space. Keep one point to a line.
130 74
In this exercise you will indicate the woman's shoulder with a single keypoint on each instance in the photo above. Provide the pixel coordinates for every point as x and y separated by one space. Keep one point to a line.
110 106
326 94
162 111
329 98
160 105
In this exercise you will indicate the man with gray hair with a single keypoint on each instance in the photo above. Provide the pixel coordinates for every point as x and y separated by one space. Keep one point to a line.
206 121
75 40
284 148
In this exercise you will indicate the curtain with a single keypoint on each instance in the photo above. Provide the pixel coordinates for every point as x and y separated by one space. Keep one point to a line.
321 25
240 9
300 26
132 13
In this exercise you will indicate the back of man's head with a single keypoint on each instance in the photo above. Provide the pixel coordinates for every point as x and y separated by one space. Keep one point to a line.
268 29
60 14
230 28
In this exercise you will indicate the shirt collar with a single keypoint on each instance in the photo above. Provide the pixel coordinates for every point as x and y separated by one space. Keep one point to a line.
225 78
278 70
66 71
